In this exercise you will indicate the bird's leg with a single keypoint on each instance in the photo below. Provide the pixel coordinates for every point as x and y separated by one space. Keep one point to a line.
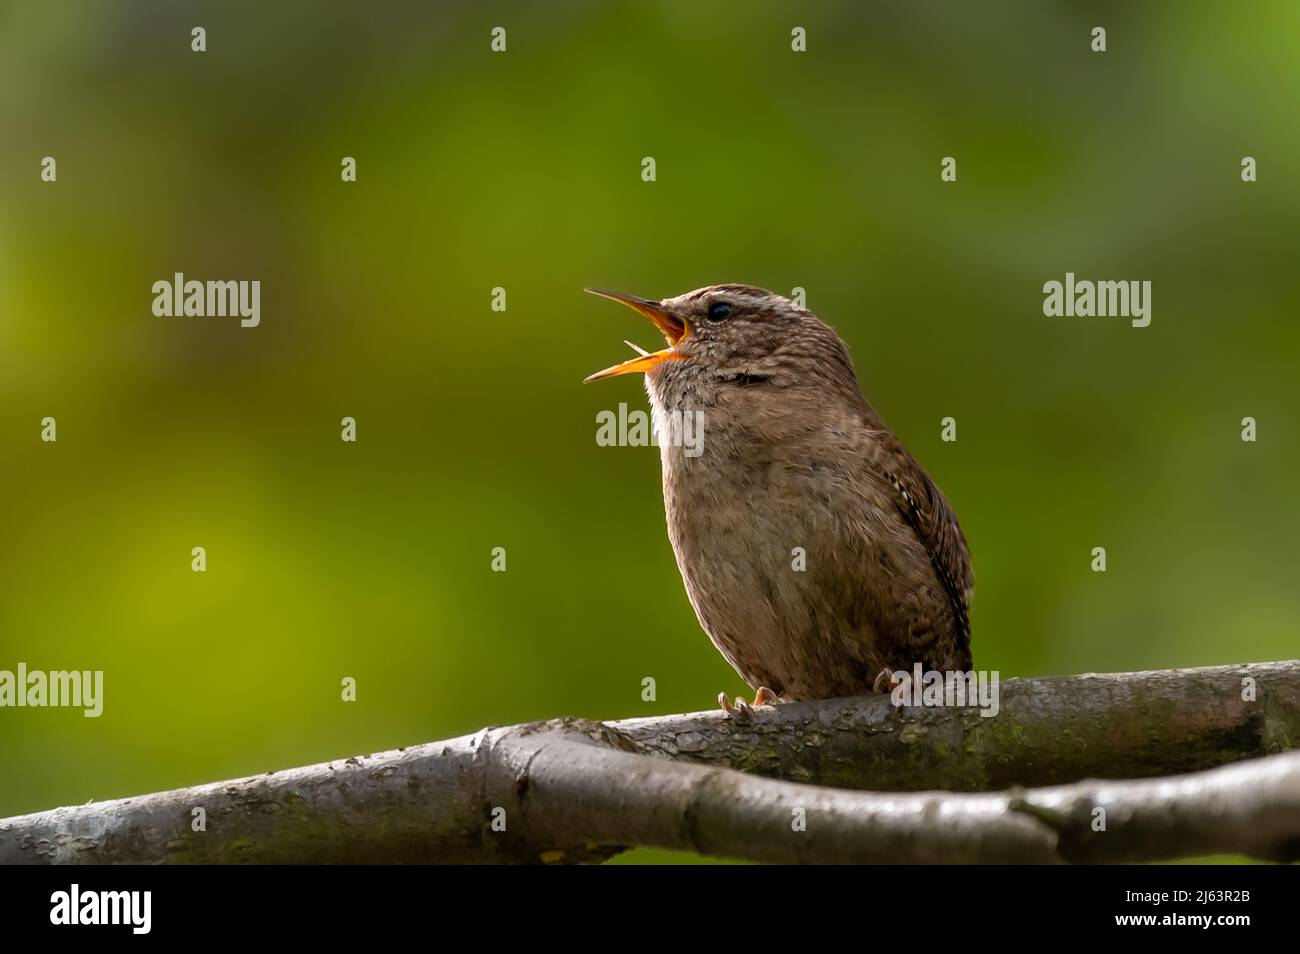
885 683
765 697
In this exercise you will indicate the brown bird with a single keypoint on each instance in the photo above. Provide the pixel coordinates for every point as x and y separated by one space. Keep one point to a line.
818 555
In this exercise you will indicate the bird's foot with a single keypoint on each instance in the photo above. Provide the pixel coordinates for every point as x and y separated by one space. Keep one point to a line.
742 711
765 697
885 683
739 710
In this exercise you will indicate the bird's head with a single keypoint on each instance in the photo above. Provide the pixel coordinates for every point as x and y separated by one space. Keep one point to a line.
734 335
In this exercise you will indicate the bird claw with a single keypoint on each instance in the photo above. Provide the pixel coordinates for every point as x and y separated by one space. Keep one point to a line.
885 684
743 711
738 710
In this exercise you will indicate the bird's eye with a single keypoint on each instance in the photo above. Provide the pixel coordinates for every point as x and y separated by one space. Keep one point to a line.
719 310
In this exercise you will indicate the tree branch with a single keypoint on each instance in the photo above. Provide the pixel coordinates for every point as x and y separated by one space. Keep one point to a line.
1048 731
571 790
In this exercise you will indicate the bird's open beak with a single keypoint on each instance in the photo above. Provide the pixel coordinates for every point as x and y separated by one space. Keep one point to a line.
673 328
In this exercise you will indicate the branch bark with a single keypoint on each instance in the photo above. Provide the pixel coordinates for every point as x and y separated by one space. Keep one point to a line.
573 790
1048 731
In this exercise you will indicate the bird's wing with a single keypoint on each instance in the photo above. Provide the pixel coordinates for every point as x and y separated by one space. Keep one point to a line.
925 508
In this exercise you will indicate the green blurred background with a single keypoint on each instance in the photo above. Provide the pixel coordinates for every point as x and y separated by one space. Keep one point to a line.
522 170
